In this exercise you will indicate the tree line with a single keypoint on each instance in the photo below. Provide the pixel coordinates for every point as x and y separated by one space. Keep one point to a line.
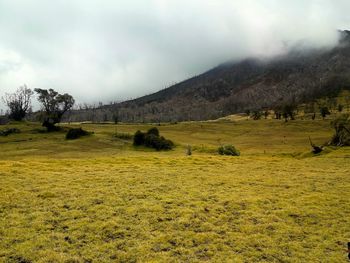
290 111
53 104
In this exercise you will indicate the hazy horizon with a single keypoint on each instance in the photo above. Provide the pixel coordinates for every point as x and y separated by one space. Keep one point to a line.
112 51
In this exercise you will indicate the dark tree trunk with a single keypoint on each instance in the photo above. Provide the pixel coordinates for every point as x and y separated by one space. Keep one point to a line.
50 126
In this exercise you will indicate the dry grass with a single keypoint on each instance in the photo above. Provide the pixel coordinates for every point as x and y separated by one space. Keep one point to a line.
98 199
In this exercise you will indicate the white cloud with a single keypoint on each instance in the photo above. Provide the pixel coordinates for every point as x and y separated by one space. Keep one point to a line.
110 50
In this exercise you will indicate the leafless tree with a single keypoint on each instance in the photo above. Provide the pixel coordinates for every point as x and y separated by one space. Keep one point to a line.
19 102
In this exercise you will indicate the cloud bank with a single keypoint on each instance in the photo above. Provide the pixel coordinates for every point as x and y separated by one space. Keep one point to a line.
106 50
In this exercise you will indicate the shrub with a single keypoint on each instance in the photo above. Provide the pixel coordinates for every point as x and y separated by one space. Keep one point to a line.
4 120
228 150
158 143
342 131
9 131
152 139
189 150
153 131
76 133
139 138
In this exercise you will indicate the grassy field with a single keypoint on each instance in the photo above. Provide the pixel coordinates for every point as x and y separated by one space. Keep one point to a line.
99 199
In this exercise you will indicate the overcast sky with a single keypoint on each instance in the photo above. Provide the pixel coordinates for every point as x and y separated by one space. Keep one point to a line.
107 50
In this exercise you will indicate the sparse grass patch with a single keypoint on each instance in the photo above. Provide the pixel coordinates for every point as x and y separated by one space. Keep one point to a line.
9 131
123 136
204 149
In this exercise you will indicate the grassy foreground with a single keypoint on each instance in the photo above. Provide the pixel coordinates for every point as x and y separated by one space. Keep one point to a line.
97 199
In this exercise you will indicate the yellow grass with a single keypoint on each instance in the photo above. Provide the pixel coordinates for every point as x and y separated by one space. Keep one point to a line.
98 199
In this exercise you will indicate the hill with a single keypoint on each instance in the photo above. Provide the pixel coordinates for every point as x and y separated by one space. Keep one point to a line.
300 76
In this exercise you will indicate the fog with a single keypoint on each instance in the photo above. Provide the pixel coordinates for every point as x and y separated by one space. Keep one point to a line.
105 50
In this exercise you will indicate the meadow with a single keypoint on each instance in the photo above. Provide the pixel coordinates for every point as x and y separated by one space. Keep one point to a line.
99 199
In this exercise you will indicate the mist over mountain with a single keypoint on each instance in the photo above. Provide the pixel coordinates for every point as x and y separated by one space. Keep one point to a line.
301 75
116 50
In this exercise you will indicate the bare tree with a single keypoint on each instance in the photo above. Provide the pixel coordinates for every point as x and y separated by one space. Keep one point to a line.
19 103
54 106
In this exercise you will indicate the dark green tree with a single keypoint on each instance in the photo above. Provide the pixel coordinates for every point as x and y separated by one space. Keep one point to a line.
115 116
54 105
248 113
266 114
256 115
289 111
313 117
340 108
324 111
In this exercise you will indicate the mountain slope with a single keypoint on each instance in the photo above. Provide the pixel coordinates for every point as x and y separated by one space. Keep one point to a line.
299 76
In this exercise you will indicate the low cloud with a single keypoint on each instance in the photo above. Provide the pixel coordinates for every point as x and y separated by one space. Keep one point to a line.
114 50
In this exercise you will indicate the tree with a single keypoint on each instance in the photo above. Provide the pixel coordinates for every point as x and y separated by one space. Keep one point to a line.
340 108
115 116
278 115
256 115
288 111
19 103
248 113
278 112
105 117
324 112
313 117
285 116
54 106
266 114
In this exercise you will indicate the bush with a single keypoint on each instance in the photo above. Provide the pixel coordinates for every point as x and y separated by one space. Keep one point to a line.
152 139
76 133
4 120
228 150
9 131
341 126
189 150
139 138
158 143
153 131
